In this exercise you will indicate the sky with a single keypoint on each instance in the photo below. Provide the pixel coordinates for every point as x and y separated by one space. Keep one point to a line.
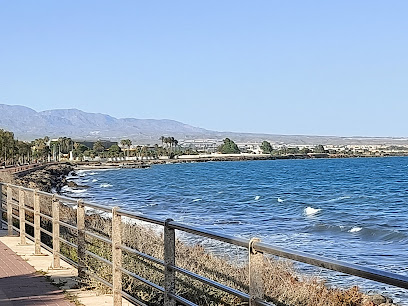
335 68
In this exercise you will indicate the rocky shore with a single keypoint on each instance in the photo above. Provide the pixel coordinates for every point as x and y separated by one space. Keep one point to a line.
48 179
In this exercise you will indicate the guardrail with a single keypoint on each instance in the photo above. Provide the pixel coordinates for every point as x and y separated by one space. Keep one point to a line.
255 247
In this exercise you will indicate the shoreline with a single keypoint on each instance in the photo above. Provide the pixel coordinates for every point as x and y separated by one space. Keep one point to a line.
139 164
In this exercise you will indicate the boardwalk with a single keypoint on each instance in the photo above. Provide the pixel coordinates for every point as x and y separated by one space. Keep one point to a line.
20 285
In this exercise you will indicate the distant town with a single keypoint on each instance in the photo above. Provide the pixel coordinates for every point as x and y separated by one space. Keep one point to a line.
16 152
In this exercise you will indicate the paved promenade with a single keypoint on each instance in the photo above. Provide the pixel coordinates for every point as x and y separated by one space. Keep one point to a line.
20 285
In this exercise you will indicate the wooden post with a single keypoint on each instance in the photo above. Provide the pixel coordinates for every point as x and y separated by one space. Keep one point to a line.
169 259
37 224
56 262
117 256
81 240
9 211
256 284
21 209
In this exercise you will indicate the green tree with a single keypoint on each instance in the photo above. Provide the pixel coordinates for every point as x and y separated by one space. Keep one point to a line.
319 149
98 147
266 147
114 150
229 147
126 143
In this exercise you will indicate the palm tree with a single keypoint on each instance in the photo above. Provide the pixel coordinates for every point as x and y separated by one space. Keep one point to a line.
127 143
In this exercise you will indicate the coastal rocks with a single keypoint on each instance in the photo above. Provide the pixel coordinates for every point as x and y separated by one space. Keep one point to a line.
378 299
47 179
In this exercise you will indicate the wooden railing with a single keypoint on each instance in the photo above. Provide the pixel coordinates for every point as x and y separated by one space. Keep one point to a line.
256 249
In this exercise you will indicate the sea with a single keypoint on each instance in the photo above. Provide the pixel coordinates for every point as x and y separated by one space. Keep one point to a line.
351 209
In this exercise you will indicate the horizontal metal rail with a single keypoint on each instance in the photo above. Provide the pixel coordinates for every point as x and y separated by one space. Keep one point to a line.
45 231
73 245
46 216
133 215
143 280
143 255
210 234
29 209
214 284
67 225
182 300
335 265
132 299
99 237
104 260
29 223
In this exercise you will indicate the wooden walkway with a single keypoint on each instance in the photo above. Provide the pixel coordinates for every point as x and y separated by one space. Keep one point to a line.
20 285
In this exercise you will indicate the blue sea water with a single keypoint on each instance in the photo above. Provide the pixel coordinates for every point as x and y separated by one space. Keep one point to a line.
354 209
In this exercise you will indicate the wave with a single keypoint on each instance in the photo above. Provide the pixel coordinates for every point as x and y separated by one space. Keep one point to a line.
71 190
355 229
309 211
196 200
257 198
104 185
94 180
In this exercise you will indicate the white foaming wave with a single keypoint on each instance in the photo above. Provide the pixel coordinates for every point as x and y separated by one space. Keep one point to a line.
69 189
196 200
78 190
92 173
280 200
311 211
94 180
257 198
104 185
355 229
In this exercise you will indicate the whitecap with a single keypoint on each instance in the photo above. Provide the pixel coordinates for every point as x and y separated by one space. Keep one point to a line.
311 211
355 229
280 200
78 190
196 200
105 185
257 198
94 180
92 173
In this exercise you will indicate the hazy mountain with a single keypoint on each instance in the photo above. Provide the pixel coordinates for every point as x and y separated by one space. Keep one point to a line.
28 124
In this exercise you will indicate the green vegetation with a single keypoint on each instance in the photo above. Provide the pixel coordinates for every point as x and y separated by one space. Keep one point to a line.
229 147
266 147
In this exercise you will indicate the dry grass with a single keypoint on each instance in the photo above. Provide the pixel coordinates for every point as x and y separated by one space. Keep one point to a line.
283 284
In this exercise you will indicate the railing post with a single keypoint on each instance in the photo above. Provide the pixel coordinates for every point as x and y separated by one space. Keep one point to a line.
169 259
256 284
9 211
21 210
56 262
117 256
81 240
37 224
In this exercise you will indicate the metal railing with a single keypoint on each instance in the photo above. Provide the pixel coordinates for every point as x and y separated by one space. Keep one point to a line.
256 249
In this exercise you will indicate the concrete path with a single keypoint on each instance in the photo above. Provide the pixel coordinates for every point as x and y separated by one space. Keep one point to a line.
65 277
20 285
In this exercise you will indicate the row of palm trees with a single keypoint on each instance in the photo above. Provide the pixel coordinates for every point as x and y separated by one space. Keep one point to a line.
170 142
13 151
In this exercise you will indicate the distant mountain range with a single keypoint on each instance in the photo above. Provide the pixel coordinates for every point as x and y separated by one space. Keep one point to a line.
28 124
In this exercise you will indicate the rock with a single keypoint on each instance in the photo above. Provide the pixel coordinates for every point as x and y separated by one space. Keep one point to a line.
379 299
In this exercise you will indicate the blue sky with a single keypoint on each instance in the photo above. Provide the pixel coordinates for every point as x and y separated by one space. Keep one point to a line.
281 67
